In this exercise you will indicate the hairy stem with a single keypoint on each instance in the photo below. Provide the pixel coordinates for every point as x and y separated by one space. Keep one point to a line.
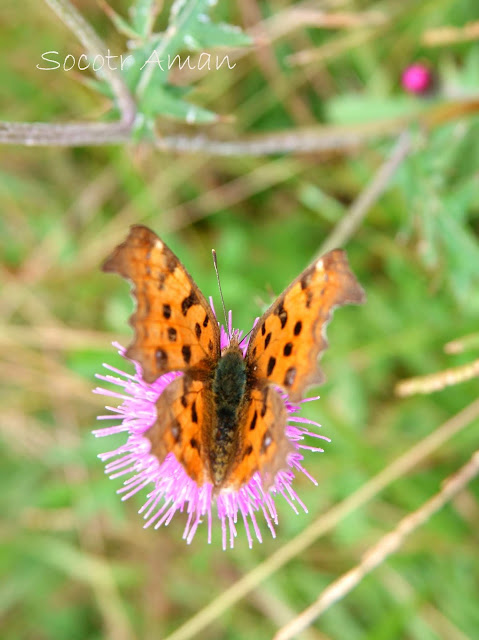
95 46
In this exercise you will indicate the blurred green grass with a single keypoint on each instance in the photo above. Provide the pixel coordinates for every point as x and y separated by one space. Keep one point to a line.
76 562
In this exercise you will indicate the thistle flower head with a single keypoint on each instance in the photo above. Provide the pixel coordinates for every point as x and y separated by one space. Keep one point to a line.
170 489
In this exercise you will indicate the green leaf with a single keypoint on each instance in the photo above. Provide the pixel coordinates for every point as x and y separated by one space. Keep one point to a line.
143 14
207 34
189 28
167 101
122 25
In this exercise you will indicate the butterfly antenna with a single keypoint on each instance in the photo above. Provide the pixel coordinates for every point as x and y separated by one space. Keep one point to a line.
245 336
215 262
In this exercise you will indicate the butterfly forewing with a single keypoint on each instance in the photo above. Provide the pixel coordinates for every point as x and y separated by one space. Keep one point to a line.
175 329
287 340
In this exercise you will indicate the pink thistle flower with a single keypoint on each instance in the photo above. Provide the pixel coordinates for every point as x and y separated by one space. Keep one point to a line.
417 78
171 489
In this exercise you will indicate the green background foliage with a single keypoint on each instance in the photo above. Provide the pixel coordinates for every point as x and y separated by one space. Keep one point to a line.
76 562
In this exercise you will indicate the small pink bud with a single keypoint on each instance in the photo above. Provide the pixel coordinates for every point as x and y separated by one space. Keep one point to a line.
417 78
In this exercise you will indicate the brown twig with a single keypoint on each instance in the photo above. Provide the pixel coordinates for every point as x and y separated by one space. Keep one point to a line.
69 15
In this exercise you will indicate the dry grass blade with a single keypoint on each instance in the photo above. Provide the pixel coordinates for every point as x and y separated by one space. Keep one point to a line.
443 36
438 381
382 550
326 522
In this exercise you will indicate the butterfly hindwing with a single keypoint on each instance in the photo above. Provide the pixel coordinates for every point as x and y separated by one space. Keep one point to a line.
175 328
183 413
263 444
287 340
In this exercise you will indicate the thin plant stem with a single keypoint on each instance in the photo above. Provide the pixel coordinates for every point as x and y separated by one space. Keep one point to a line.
447 35
386 546
300 140
439 380
352 219
69 15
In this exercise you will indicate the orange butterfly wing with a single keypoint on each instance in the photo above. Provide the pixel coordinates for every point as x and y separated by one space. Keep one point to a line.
184 411
287 340
263 446
175 328
283 351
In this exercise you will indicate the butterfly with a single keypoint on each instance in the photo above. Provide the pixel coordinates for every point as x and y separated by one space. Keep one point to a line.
225 418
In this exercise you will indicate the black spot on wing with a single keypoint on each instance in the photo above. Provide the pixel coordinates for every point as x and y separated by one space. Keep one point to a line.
197 331
297 328
267 339
166 311
282 314
253 421
186 352
265 402
206 320
271 365
172 334
288 348
195 444
248 451
194 414
263 329
188 302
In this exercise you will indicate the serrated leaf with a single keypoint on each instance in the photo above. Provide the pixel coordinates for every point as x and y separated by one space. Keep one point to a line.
190 28
146 67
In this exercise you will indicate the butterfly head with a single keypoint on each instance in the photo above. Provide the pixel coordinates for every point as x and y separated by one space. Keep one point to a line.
233 341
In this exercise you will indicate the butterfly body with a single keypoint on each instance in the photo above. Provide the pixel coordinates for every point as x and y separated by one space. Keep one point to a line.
229 387
224 418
